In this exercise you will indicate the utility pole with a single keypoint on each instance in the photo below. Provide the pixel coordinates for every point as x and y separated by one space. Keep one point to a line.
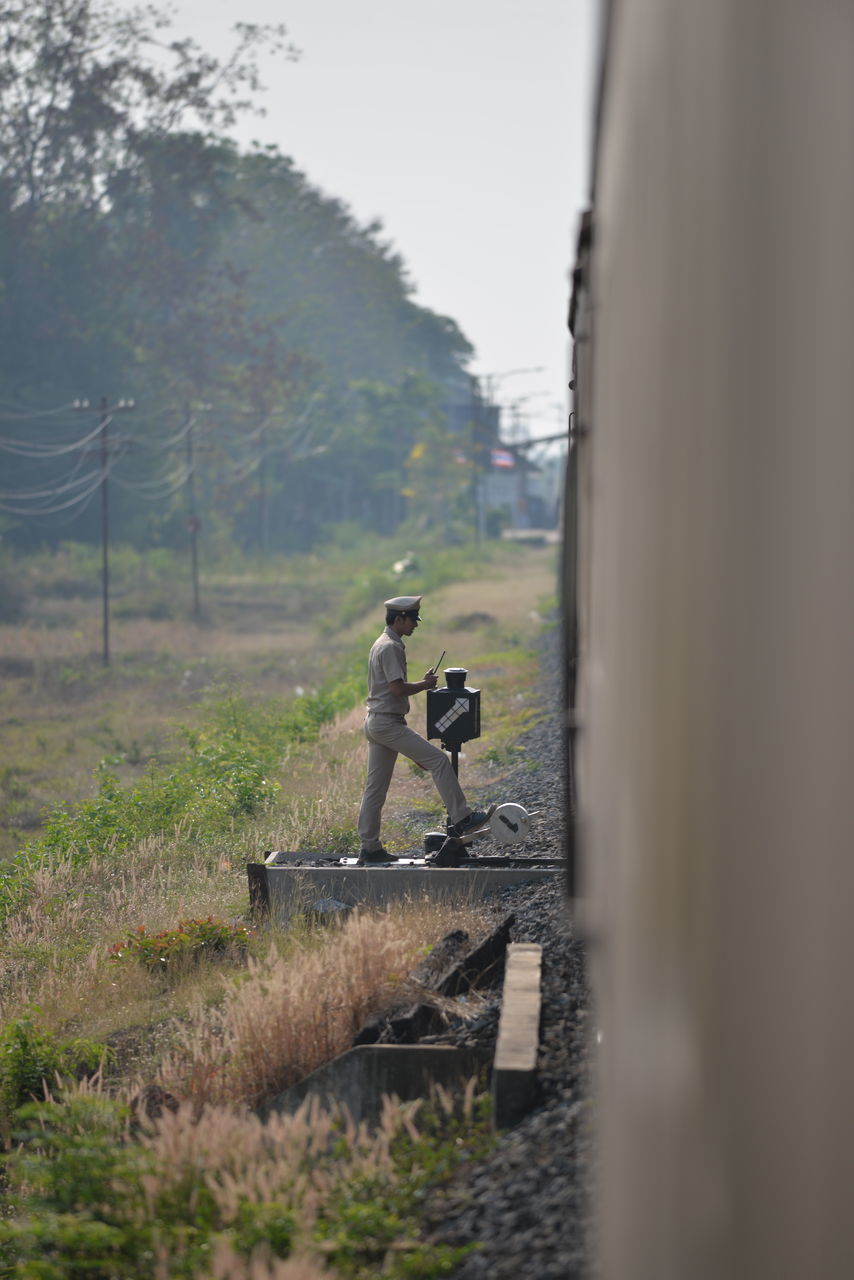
106 414
475 458
105 533
262 493
193 522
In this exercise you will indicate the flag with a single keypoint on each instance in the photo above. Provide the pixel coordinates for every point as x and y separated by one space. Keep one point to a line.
503 458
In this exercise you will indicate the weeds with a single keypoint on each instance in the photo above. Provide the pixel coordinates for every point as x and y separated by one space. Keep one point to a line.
226 1195
291 1011
212 1192
436 569
55 945
226 774
190 941
32 1061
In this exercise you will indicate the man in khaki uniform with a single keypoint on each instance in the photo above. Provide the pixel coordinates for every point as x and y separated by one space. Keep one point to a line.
389 736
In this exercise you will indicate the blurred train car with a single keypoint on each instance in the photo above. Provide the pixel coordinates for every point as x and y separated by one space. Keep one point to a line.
710 625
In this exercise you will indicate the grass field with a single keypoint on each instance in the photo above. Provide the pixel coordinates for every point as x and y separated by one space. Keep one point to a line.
62 713
73 729
125 913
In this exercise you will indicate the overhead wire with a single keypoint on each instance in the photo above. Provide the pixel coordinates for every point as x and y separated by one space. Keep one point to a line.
30 495
76 512
295 446
32 448
76 465
78 499
37 498
162 446
77 491
164 487
29 414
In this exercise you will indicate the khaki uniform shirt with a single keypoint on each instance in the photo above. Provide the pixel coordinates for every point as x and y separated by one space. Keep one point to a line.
387 662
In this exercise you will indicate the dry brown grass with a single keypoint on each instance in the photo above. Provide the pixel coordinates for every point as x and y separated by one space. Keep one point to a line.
61 712
243 1032
228 1265
320 787
54 950
151 635
297 1162
293 1179
294 1010
283 1159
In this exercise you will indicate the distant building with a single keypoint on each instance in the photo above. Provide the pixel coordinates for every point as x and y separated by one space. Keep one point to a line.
511 490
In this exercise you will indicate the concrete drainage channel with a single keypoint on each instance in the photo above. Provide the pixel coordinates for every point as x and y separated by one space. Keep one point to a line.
361 1077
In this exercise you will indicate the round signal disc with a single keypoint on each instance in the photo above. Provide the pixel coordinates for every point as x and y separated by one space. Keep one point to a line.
509 824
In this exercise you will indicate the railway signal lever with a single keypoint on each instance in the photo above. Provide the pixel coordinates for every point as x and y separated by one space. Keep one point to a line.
453 716
453 713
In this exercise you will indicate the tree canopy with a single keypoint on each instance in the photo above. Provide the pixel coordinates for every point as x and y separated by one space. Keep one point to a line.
281 370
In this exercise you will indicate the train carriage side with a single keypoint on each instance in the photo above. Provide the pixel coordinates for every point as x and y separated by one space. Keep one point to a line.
710 571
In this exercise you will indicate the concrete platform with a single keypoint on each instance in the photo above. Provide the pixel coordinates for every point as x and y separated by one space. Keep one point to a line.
514 1072
281 891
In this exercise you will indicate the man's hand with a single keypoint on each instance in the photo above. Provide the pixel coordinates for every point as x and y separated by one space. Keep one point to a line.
402 688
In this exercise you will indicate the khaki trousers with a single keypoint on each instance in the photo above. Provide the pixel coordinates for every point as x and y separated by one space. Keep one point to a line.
389 736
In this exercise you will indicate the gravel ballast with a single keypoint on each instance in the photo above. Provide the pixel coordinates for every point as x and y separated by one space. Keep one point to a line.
527 1206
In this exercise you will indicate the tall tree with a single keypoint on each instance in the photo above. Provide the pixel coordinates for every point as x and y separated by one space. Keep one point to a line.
142 254
82 84
96 106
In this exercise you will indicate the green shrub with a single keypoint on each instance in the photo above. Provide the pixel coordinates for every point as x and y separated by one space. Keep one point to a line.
32 1059
226 774
364 1223
72 1176
191 940
93 1199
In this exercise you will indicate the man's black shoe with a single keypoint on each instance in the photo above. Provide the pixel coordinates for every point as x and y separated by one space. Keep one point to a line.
475 820
374 857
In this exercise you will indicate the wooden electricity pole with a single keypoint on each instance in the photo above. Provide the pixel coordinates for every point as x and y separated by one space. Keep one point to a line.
106 412
193 522
105 532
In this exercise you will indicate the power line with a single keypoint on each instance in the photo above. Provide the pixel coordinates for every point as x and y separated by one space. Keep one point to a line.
164 446
74 511
80 499
32 449
50 493
27 415
295 440
145 489
105 418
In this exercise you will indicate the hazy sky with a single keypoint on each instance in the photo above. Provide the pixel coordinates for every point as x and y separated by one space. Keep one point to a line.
464 125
